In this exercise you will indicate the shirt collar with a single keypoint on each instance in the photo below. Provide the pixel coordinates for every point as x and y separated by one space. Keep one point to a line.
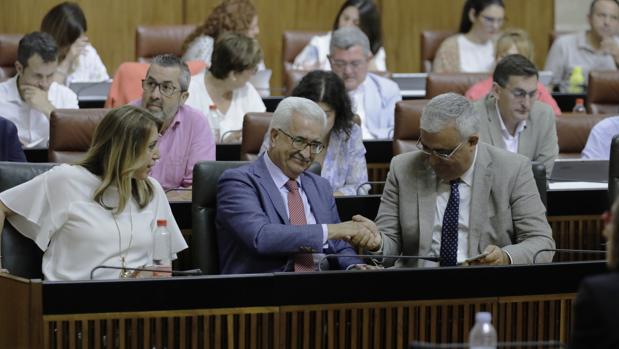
519 128
582 42
278 176
467 177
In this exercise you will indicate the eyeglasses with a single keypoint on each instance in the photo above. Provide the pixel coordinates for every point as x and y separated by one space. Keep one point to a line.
340 64
301 143
441 154
166 88
522 94
492 20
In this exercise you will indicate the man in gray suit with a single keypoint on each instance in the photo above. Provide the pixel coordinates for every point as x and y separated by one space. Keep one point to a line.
458 198
512 118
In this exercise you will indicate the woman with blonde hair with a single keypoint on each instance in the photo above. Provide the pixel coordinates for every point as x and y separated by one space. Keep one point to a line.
511 42
100 211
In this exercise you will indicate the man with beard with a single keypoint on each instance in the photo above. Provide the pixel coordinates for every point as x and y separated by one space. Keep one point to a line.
186 136
512 118
273 215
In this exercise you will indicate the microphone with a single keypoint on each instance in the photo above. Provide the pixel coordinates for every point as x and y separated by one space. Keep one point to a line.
565 250
372 257
190 272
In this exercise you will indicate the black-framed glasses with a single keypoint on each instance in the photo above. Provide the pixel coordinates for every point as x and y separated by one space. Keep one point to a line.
166 88
301 143
445 154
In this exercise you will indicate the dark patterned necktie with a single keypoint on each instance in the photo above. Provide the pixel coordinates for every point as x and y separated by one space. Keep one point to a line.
449 231
302 261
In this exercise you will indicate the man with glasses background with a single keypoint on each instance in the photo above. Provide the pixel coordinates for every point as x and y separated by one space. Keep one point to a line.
459 199
512 118
273 215
373 96
186 136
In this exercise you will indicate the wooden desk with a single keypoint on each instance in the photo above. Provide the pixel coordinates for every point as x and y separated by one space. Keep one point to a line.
381 309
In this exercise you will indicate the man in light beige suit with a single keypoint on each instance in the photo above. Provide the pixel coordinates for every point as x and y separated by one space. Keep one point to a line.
512 118
498 212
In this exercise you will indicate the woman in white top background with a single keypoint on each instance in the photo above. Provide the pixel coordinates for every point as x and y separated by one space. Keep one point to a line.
78 59
101 211
225 84
360 13
472 50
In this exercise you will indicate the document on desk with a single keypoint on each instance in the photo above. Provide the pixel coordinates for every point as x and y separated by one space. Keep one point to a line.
565 186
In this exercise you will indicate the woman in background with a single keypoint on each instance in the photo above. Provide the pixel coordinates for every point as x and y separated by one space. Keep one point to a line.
343 160
78 59
360 13
101 211
513 41
226 86
472 50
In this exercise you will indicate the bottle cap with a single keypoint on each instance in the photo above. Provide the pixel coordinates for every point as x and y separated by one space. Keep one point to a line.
212 107
483 317
580 101
162 223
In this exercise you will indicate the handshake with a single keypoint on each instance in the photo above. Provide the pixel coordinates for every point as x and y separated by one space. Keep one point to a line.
360 232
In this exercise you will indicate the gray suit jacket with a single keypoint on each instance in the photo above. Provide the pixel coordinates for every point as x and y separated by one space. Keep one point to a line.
505 210
538 141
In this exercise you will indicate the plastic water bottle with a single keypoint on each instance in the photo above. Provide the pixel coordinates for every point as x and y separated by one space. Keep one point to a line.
577 81
162 250
214 120
579 107
483 334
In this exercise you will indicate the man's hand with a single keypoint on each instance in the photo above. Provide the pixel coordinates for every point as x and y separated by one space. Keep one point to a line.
496 256
364 267
37 98
350 231
610 46
375 240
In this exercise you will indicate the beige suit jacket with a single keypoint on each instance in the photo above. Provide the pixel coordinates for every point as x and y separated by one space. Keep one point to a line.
538 141
506 209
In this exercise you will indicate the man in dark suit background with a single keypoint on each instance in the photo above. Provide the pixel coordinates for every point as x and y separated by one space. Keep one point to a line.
10 147
274 216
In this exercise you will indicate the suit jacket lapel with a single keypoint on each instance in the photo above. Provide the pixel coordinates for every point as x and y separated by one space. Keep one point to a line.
313 197
426 200
261 171
480 196
494 125
526 144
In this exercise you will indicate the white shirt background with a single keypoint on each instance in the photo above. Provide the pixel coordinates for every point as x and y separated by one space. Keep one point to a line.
475 58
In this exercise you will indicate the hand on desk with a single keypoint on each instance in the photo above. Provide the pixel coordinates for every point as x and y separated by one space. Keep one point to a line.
496 256
364 267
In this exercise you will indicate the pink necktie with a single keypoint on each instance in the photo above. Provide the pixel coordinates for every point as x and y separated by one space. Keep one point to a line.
302 261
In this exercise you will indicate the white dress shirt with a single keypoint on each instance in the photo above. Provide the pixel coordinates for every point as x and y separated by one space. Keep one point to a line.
32 125
511 141
358 101
474 57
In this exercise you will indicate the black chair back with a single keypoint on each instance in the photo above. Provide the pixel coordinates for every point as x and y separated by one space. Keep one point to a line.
20 255
539 174
613 170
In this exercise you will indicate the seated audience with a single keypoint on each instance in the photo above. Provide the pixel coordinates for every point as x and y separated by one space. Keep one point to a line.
78 59
373 96
511 42
273 215
237 16
343 160
594 49
457 197
186 136
226 85
600 137
596 307
10 148
101 211
359 13
472 50
513 119
29 98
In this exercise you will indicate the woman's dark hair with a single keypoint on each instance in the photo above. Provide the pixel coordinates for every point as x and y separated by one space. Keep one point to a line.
326 87
65 22
478 6
369 21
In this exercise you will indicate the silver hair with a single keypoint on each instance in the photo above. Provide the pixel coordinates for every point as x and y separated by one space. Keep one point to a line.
168 60
291 105
449 109
347 37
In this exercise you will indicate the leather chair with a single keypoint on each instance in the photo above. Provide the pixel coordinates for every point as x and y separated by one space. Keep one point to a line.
255 126
406 130
8 55
603 92
293 43
613 170
151 41
20 255
70 133
203 209
573 131
292 77
439 83
430 42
